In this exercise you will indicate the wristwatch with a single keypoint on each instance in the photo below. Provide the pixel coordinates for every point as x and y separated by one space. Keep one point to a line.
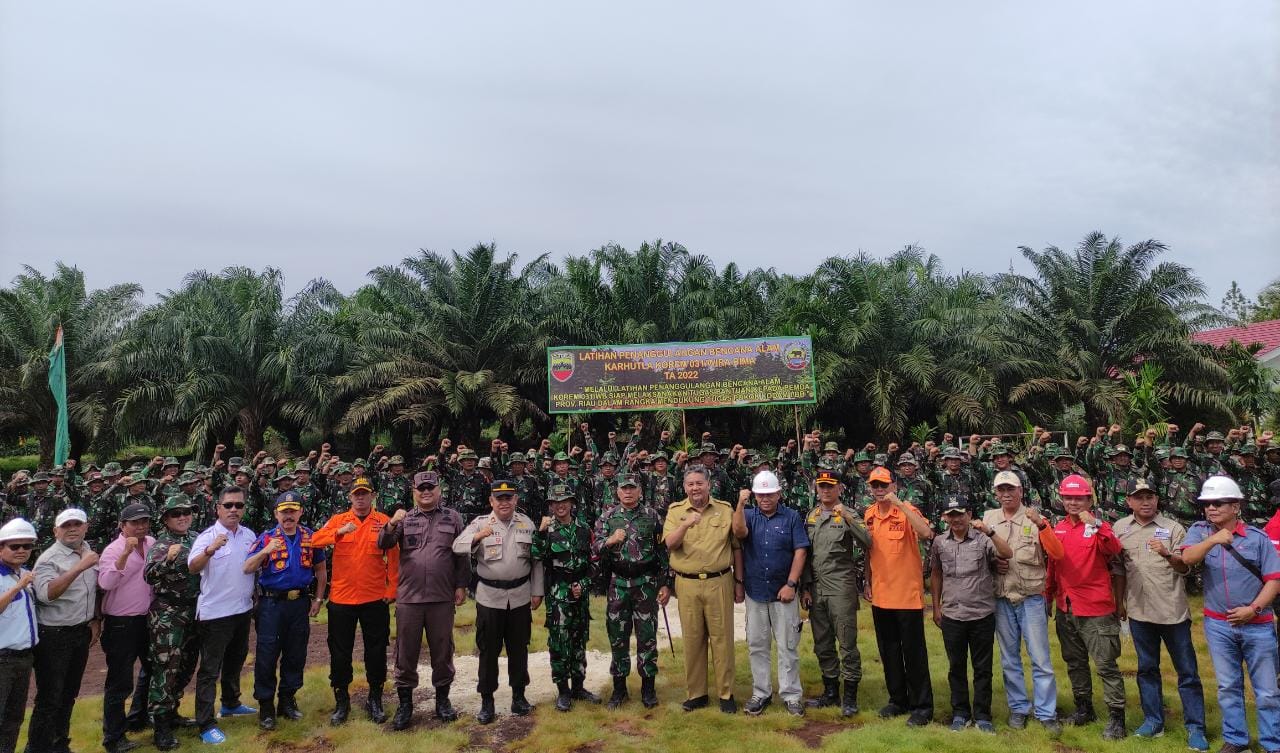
792 584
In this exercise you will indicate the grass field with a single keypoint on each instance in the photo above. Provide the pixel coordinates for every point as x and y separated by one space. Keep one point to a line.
667 728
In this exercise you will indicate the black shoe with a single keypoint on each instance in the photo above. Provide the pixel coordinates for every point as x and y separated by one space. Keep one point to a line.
728 705
404 712
136 722
1082 715
341 706
162 735
374 706
850 705
830 694
486 714
693 704
520 706
1017 720
891 710
1115 729
755 705
619 695
564 699
648 692
580 692
288 708
183 722
124 745
444 709
266 715
919 718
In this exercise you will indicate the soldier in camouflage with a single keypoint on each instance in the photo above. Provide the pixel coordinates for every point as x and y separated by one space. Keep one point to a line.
954 479
529 498
1115 481
105 520
1256 509
915 488
468 490
660 487
563 545
721 484
174 648
1179 488
392 488
41 509
602 491
629 548
1051 466
1210 457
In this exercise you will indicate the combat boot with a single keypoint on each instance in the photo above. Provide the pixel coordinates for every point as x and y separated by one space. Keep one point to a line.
619 693
580 692
374 705
444 709
341 706
830 694
163 735
564 699
404 712
850 705
648 693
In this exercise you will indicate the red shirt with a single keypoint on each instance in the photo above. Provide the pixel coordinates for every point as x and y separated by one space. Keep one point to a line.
1080 582
1272 530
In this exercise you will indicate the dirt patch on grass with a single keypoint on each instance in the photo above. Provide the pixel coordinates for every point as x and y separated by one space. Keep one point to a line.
320 744
628 727
813 733
1060 748
502 734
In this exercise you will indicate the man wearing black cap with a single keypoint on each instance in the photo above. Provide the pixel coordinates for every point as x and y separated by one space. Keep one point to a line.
510 588
432 584
125 603
962 584
291 582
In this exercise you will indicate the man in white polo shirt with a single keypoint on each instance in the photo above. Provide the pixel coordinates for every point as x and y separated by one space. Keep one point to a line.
223 611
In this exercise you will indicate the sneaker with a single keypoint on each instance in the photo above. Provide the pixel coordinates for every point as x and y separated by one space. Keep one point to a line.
919 718
213 736
241 710
693 704
985 726
1017 721
794 708
891 710
728 705
958 723
756 705
1196 740
1149 728
1052 726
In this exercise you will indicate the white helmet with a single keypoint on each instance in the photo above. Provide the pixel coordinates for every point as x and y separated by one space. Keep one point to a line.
17 529
765 482
1220 487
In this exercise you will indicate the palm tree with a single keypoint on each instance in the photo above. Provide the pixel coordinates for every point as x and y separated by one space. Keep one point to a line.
92 322
453 341
1090 316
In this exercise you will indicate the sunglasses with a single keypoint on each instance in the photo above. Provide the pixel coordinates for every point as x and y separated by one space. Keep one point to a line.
179 513
233 505
1216 503
426 487
879 485
21 547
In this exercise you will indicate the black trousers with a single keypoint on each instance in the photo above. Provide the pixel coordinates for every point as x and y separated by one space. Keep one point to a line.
284 628
224 645
965 641
125 642
60 658
496 629
374 619
15 681
900 638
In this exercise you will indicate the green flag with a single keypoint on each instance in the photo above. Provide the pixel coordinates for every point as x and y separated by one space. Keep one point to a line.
58 386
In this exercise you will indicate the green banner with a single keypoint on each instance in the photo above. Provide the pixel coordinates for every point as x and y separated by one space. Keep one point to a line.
661 376
58 386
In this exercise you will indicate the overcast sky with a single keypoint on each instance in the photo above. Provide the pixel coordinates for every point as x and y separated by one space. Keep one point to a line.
139 140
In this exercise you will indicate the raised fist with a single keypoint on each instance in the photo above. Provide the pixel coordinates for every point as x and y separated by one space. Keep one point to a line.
220 448
399 516
706 436
325 447
377 448
347 528
446 443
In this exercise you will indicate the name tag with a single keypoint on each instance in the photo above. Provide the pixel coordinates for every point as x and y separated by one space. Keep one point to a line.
1162 533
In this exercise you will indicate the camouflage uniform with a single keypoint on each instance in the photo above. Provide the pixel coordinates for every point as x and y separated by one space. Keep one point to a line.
1179 490
917 490
565 551
104 521
1256 509
174 648
1207 464
529 498
41 509
1114 483
960 483
660 489
602 493
637 568
468 492
392 489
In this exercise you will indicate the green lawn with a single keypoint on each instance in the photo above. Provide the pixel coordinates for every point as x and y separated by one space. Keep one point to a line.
667 728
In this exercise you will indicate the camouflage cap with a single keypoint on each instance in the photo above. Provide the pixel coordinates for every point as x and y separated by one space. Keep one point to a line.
831 447
516 457
561 457
396 460
1215 436
178 502
40 476
609 459
283 474
467 454
342 468
235 461
1162 453
188 478
302 467
755 460
1120 449
111 469
133 480
881 459
1178 452
58 472
628 479
862 457
1249 448
951 453
559 492
359 463
191 466
827 464
1000 448
268 461
92 467
707 448
135 469
1062 452
94 476
659 455
907 458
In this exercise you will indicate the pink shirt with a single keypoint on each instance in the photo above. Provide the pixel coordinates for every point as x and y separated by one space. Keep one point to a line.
127 594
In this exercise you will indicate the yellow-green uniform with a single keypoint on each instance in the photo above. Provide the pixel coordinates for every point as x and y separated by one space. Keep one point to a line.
831 575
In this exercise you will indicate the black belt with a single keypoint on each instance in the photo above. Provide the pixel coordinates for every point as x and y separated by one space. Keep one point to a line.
505 584
58 628
290 595
7 652
703 576
633 569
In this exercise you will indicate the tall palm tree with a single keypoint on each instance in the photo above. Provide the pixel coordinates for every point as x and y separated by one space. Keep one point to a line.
1088 316
30 313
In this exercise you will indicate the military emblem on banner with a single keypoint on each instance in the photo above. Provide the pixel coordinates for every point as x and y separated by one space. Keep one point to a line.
796 357
562 365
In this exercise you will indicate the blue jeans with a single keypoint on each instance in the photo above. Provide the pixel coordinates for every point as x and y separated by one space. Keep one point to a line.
1020 623
1254 647
1147 637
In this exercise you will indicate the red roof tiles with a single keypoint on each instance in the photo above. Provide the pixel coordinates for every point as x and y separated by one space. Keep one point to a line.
1267 333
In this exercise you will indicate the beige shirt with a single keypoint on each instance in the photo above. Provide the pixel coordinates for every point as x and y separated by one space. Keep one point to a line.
1154 591
708 546
75 605
1029 565
503 555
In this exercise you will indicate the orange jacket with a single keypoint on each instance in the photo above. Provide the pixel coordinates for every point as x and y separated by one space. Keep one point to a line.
362 572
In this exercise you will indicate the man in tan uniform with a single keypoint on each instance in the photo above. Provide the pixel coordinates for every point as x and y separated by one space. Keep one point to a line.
704 555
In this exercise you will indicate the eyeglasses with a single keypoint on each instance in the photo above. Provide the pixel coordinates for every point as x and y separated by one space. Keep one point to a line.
178 513
426 487
233 505
1217 502
879 485
21 547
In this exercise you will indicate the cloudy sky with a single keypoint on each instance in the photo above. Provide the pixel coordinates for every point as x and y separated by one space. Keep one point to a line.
139 140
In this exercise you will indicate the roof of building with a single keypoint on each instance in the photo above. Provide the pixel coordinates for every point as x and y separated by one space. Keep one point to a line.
1267 333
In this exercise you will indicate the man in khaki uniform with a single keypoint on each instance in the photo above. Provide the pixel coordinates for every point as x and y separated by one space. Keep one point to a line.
704 555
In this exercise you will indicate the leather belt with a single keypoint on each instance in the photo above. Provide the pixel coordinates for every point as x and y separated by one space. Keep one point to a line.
703 576
290 595
505 584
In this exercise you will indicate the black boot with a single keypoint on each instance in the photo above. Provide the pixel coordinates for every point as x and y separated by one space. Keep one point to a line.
288 708
830 694
374 705
564 699
619 696
1083 714
850 705
267 715
486 714
404 712
1115 729
444 709
341 706
580 692
648 693
163 734
520 706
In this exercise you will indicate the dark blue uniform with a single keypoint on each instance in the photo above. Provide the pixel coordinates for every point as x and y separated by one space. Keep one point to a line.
284 600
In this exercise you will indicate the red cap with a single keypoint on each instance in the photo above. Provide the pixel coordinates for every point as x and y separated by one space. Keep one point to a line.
1075 485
